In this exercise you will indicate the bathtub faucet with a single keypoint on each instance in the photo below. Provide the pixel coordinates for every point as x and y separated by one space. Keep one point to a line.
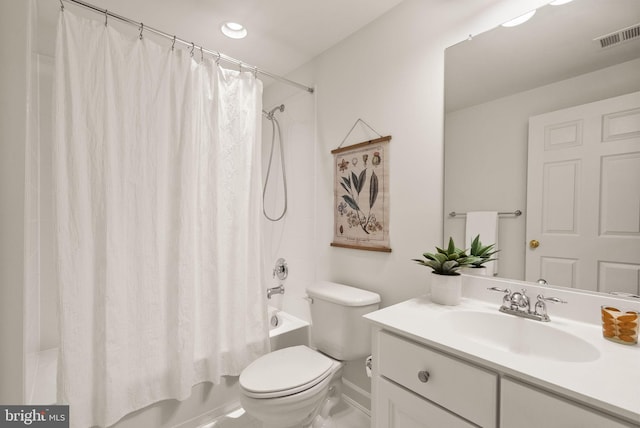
275 290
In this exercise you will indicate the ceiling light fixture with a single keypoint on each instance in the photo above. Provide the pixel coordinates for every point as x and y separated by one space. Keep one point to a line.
519 20
233 30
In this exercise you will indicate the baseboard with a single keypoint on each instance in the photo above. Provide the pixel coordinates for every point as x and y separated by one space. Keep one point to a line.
357 397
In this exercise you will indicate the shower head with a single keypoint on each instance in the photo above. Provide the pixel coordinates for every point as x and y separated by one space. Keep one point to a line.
280 107
273 110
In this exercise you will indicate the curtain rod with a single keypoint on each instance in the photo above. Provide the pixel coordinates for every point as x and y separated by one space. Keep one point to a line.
174 39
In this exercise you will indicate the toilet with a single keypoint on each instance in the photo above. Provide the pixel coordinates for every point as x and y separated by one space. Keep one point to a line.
298 386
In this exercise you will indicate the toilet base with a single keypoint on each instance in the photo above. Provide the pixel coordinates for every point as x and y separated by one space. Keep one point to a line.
323 419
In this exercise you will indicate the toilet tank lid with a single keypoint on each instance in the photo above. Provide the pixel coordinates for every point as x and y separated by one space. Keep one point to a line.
342 294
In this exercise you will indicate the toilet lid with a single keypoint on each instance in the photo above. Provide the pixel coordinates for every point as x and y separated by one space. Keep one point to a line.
284 372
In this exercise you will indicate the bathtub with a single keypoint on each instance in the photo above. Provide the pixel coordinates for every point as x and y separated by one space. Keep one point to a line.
286 330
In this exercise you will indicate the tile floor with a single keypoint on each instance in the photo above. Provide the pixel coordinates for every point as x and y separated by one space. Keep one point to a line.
344 416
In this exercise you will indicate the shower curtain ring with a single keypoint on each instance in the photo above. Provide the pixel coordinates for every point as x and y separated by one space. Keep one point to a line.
141 29
201 55
240 67
106 17
255 72
173 45
61 6
193 46
218 58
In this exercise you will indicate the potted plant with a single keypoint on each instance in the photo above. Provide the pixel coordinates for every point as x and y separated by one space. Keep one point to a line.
446 285
482 255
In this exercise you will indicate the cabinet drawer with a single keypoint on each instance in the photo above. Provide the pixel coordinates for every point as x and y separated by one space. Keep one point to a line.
464 389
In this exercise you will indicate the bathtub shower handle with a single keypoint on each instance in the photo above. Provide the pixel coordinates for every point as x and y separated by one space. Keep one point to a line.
423 376
281 270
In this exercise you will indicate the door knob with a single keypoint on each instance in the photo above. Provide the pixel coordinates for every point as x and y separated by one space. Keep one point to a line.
534 244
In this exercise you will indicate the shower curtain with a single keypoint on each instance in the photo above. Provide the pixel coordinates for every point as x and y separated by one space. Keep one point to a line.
157 204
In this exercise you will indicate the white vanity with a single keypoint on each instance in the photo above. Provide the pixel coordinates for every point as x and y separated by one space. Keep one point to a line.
470 365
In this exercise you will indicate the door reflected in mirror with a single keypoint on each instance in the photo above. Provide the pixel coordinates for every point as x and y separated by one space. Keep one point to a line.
499 79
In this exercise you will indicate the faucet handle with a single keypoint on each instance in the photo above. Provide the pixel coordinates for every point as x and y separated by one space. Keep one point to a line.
541 298
506 291
541 307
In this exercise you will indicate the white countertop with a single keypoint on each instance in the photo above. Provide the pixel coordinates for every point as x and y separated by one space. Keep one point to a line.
611 383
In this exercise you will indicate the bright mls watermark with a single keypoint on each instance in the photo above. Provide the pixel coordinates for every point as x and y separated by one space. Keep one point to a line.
34 416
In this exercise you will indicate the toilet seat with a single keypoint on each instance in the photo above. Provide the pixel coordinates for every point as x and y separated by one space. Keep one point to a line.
285 372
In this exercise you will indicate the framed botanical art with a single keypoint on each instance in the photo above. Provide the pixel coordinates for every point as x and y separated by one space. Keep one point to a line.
361 195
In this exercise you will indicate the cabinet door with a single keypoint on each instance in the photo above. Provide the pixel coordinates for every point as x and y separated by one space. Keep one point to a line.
398 408
522 406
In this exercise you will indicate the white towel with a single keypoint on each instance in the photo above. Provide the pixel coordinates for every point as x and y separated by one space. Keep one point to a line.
485 224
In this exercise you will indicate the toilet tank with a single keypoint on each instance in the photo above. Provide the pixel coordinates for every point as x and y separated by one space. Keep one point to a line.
337 326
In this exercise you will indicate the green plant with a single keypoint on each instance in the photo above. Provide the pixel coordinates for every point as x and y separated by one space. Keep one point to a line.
447 261
481 252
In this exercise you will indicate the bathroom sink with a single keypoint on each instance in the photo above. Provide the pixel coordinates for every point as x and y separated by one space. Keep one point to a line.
520 336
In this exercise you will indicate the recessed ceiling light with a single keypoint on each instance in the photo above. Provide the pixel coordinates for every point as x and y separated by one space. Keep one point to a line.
559 2
233 30
519 20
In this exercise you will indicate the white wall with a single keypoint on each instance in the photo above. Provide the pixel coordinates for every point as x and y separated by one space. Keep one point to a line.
15 51
391 74
486 153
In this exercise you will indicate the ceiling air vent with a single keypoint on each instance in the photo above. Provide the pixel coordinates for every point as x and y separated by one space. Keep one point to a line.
617 37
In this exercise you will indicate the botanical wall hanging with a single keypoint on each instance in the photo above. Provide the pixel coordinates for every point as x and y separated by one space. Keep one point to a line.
361 195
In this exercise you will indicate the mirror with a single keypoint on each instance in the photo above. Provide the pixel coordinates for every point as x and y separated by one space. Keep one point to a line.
496 80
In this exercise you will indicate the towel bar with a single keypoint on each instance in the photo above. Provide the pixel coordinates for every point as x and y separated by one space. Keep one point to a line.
515 213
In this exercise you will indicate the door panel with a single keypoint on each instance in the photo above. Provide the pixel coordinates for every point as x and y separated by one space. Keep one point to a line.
583 196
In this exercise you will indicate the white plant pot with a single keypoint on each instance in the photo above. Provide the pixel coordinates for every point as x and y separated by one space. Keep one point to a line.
446 289
477 271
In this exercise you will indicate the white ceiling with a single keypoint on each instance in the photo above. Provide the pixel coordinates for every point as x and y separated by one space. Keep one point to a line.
556 44
283 34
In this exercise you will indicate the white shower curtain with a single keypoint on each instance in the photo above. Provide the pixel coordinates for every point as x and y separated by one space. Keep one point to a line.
157 199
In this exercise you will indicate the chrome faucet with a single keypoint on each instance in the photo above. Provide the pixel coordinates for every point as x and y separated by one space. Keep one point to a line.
518 304
275 290
520 301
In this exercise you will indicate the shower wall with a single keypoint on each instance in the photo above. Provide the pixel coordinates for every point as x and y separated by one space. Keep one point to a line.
41 320
292 237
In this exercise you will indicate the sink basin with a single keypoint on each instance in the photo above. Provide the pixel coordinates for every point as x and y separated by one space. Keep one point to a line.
520 336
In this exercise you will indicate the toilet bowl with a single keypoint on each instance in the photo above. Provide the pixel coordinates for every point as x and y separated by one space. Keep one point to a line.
286 388
298 386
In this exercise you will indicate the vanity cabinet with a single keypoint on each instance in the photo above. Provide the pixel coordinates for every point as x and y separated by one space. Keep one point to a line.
524 406
417 386
424 382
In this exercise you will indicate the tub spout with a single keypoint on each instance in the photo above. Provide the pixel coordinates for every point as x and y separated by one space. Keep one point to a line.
275 290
